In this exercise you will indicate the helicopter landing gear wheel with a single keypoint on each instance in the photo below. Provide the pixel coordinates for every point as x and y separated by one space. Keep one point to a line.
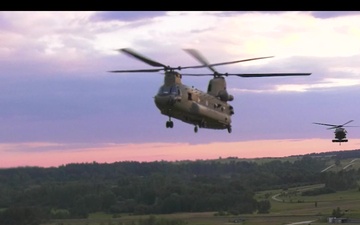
169 124
229 129
196 129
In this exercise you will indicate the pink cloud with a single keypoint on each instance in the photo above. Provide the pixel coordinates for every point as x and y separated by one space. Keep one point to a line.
15 155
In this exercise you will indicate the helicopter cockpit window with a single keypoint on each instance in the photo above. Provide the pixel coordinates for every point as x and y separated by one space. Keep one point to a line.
169 90
174 90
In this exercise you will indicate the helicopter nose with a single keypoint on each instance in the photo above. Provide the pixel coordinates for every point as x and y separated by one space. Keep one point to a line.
168 100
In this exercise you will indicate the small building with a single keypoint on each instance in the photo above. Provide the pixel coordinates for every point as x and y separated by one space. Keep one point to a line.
238 220
337 220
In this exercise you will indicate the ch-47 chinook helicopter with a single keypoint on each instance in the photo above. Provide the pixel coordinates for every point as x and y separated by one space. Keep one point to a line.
340 132
208 109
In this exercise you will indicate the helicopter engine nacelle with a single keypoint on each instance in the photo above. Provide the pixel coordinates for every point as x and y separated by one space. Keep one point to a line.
217 88
224 96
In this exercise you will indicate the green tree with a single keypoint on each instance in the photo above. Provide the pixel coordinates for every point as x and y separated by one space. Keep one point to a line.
264 206
337 213
23 216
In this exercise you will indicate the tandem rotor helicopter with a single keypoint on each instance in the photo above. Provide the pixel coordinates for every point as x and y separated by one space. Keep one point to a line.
202 109
340 132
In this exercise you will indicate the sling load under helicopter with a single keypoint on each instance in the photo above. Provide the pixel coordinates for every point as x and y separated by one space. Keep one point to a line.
340 132
202 109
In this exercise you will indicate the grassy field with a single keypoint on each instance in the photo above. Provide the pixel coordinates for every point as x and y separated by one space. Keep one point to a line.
286 208
292 203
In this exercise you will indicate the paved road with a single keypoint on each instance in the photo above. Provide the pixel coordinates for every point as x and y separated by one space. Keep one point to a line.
302 222
274 197
327 168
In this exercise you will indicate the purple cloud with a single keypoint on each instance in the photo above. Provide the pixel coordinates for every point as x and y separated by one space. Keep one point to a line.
127 16
332 14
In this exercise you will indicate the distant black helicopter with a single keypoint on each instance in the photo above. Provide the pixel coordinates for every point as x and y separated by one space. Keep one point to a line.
340 132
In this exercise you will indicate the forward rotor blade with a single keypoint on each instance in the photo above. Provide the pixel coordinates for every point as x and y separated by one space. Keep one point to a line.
347 122
135 71
136 55
326 124
197 74
333 127
151 62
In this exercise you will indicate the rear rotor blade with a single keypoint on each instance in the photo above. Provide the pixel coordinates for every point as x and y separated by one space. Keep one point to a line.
237 61
197 55
269 74
253 74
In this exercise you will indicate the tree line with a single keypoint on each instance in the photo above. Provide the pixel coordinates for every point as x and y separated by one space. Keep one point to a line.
160 187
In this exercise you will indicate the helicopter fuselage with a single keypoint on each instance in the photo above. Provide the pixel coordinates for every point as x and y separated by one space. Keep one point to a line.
340 135
203 109
191 105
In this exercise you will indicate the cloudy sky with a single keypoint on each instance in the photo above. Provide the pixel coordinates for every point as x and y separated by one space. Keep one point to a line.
59 105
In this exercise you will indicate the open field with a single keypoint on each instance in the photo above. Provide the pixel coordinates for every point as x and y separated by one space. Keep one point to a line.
206 218
286 208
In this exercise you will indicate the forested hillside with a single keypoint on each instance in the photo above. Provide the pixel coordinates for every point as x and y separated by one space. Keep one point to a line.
223 185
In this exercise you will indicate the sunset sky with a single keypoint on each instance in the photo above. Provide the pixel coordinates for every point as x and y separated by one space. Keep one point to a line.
59 105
